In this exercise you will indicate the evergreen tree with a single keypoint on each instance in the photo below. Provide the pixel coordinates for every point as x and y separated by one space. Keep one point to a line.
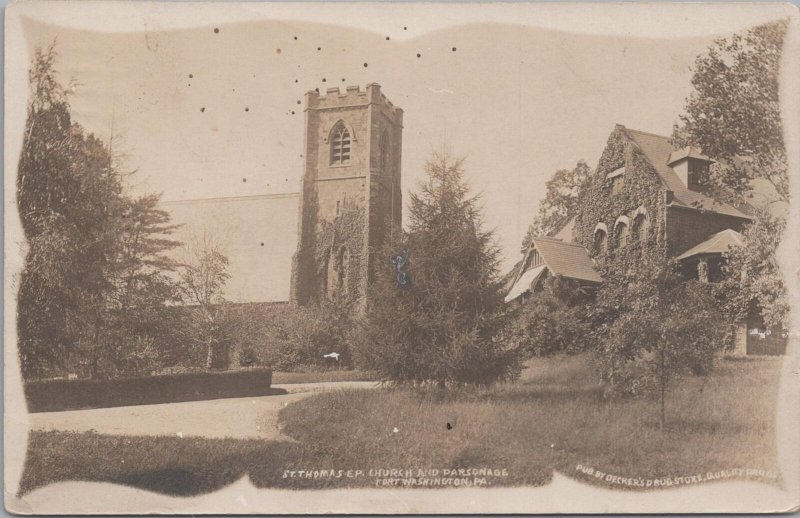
68 196
95 272
437 317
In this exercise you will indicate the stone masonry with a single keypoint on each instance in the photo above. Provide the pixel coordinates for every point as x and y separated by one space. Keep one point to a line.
351 193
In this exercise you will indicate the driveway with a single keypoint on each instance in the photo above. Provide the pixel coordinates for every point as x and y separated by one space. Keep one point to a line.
239 418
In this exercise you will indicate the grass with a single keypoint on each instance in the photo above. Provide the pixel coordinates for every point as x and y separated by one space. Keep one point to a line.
552 419
287 378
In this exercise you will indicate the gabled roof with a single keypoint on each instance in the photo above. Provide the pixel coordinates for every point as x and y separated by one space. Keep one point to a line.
658 150
561 258
525 282
687 152
566 259
719 243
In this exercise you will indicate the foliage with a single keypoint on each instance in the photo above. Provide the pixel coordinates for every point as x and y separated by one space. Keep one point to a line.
560 203
652 325
69 196
312 333
143 273
733 113
753 283
204 273
443 326
95 273
553 321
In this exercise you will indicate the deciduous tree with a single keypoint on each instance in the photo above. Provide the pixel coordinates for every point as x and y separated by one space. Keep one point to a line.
651 327
560 203
733 112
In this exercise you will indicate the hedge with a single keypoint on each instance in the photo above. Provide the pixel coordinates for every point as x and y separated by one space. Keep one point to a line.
61 394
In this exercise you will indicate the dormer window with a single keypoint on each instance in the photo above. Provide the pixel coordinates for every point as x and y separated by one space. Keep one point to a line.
697 170
340 144
616 179
690 165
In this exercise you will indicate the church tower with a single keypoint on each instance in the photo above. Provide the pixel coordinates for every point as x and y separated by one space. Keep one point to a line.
351 193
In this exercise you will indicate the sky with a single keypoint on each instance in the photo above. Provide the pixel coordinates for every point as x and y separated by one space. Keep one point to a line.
212 110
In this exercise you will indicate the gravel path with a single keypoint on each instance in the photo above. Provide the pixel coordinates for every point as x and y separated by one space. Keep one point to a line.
240 418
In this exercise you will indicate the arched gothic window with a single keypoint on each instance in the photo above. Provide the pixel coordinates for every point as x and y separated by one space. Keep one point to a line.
344 266
340 139
331 280
600 241
640 227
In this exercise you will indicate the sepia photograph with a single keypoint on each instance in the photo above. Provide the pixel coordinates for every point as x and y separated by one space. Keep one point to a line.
401 258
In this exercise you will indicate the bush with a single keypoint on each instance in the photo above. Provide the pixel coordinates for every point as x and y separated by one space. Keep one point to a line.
654 327
288 337
552 321
58 395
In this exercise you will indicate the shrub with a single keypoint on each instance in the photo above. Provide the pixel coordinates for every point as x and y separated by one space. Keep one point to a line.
552 321
654 327
288 337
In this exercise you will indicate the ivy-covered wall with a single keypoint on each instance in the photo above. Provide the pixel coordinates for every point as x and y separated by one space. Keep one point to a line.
641 188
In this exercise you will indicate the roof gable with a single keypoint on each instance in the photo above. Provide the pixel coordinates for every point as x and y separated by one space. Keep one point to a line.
658 150
569 260
719 243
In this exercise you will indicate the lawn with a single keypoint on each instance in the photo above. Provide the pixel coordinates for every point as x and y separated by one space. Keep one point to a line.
554 418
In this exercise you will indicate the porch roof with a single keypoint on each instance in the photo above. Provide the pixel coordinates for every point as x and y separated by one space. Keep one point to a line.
717 244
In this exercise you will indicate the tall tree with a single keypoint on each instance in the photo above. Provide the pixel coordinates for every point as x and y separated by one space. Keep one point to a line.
68 196
204 273
753 283
560 203
95 260
434 309
734 115
733 112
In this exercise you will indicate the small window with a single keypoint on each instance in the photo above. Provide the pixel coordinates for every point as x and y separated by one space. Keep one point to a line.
340 144
622 235
616 179
616 185
697 170
640 228
600 241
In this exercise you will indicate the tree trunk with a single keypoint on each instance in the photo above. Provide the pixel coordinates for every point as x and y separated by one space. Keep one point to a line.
210 355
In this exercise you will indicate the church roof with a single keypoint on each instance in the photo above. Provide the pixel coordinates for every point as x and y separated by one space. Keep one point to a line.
660 152
259 253
569 260
719 243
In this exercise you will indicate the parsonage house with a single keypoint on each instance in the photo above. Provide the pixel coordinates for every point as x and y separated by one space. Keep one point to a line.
644 194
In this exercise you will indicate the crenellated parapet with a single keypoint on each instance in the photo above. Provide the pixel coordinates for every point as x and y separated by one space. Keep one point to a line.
351 97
